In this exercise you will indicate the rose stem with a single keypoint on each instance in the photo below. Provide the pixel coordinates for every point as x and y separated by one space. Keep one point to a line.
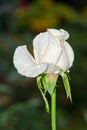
53 110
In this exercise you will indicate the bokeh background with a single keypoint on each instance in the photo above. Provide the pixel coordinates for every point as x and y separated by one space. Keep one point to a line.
21 104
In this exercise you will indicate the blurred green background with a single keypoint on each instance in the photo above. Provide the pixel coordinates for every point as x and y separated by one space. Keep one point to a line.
21 104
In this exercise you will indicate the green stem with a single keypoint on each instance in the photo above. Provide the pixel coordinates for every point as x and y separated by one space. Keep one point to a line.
53 110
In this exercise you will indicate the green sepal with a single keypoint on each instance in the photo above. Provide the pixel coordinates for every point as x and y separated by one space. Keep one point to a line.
66 85
43 80
42 93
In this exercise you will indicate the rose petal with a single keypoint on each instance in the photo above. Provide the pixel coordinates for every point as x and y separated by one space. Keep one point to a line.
64 33
59 34
25 64
51 68
70 53
40 43
63 62
66 58
52 52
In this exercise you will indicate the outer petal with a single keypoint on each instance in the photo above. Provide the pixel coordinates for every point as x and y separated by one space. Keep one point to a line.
63 62
66 58
70 53
59 34
40 43
64 33
25 64
52 52
51 68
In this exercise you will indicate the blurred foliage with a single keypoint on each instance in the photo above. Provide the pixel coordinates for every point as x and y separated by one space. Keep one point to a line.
24 116
20 105
38 15
51 15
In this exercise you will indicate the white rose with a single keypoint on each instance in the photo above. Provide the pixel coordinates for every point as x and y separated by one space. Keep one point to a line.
52 54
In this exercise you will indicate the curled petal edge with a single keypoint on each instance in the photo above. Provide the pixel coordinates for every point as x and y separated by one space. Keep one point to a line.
25 63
